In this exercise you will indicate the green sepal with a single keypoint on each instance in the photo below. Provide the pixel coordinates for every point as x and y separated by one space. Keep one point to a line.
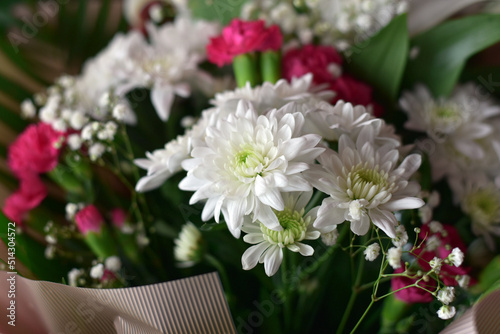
270 66
245 69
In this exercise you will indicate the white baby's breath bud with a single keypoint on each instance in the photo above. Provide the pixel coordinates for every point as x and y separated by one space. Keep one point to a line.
66 114
394 257
74 141
28 109
371 252
104 100
108 132
74 275
142 240
97 271
78 120
436 227
446 295
187 245
119 112
401 236
463 281
417 230
188 121
456 257
446 312
436 264
71 209
60 125
50 252
96 151
432 243
51 239
48 114
156 13
87 132
330 238
113 263
66 81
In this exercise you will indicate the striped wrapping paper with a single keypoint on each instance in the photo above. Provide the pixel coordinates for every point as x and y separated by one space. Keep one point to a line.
192 305
482 318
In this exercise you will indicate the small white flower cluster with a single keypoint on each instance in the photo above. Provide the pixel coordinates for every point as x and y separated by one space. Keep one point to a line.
334 22
101 273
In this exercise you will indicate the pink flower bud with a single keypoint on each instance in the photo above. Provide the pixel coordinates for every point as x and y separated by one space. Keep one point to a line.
118 217
89 219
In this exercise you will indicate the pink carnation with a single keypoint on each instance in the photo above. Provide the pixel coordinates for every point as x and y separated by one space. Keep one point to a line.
322 62
33 152
30 194
412 295
89 219
241 37
118 217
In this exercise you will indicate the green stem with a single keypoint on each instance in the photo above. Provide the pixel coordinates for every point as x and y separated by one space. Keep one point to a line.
222 271
287 314
270 66
245 69
354 294
363 316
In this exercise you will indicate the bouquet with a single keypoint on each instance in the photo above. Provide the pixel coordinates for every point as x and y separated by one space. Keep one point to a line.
336 162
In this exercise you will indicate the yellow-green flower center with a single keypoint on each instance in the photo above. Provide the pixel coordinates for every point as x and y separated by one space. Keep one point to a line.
484 206
366 183
294 228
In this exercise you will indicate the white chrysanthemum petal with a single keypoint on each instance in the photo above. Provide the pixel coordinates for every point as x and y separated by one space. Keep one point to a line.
252 255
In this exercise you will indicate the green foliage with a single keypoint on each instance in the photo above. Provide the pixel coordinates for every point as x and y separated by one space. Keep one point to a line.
381 60
213 10
444 51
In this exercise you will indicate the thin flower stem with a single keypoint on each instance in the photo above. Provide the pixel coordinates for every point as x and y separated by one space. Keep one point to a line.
363 316
287 314
354 293
222 271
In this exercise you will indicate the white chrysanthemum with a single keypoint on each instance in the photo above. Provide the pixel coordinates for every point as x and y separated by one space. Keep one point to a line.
394 257
246 161
456 257
460 127
187 245
167 62
269 244
480 199
163 163
446 312
365 184
371 252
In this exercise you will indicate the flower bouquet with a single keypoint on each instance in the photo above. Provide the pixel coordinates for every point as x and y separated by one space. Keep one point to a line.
336 162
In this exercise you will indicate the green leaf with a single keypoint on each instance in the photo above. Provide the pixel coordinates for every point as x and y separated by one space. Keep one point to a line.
221 11
380 61
444 50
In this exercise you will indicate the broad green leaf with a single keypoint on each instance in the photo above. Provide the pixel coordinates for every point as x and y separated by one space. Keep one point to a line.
221 11
380 61
444 50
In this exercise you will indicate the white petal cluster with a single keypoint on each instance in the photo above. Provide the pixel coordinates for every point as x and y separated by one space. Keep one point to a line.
296 226
394 257
247 161
365 184
456 257
446 295
371 252
446 312
187 245
462 129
